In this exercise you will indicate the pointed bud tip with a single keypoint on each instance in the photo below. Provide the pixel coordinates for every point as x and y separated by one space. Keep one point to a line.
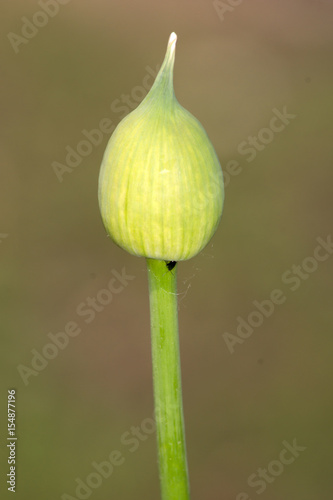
172 41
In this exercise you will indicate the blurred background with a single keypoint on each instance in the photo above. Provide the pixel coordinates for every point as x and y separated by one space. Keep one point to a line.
73 67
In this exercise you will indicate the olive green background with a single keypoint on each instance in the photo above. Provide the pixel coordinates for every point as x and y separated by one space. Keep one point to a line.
277 385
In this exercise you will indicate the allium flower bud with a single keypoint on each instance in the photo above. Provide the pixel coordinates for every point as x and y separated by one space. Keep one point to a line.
161 185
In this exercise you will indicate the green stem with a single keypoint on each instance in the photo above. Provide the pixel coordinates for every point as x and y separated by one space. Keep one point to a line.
167 381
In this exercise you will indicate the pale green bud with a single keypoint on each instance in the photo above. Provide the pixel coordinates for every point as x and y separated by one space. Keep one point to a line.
160 184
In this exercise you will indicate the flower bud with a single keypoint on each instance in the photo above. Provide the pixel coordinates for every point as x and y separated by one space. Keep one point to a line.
161 184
